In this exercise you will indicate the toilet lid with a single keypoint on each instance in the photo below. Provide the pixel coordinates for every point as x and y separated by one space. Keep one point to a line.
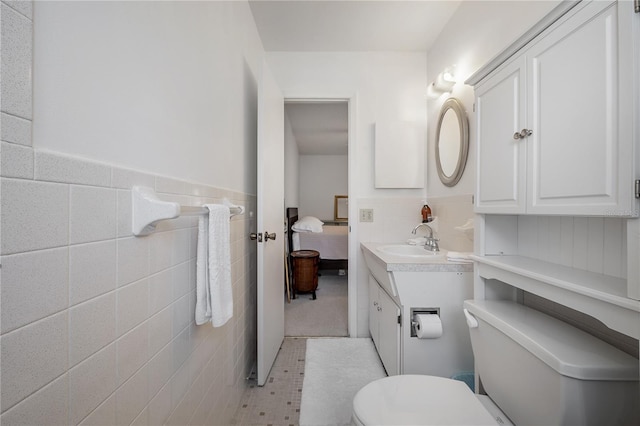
419 400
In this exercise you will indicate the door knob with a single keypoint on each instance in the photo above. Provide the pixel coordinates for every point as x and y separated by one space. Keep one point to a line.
522 134
255 236
268 236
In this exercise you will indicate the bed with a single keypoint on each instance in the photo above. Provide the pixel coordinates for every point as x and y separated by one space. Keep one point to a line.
332 243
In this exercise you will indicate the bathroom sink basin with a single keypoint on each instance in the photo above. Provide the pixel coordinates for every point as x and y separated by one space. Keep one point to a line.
411 251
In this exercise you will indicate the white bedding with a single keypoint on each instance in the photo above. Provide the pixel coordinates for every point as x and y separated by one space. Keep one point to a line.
332 242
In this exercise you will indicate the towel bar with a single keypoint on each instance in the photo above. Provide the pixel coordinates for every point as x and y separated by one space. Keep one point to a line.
199 210
148 210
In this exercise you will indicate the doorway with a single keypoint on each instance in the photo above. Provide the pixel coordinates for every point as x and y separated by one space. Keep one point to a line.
317 184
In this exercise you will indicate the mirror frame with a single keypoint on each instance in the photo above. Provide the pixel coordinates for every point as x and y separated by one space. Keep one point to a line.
336 201
456 106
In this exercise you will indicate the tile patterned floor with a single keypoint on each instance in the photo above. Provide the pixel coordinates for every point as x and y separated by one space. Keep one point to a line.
277 403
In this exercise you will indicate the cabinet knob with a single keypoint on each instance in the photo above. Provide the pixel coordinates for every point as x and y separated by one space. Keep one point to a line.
522 134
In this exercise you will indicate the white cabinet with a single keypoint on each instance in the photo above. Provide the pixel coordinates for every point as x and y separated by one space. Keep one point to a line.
555 128
384 326
502 167
399 154
558 162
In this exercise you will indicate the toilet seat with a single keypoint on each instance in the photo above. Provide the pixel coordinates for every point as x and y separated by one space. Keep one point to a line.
418 400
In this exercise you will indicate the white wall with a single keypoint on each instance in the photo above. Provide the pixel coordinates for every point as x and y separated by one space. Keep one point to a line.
389 86
102 321
291 166
321 178
386 86
477 32
164 87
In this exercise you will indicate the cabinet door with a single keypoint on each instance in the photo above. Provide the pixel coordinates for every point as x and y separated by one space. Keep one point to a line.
374 306
389 332
574 151
501 160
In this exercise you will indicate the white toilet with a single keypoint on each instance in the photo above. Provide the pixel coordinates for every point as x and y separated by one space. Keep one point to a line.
535 368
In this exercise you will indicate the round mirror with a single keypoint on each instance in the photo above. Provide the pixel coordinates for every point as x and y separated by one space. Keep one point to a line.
452 142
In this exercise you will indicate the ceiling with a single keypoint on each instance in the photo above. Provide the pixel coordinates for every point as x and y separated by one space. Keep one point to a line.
320 128
350 25
343 26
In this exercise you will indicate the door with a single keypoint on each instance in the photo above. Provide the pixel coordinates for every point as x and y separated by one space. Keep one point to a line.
500 104
374 307
574 152
389 333
270 207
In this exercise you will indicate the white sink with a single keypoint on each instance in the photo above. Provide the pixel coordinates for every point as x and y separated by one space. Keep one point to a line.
411 251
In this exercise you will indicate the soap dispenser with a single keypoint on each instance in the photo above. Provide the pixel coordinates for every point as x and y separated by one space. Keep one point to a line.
426 214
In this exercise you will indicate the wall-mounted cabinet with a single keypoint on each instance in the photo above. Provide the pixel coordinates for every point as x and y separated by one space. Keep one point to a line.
558 140
399 154
555 122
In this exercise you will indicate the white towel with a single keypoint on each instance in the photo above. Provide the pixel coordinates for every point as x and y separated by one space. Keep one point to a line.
459 256
214 298
420 241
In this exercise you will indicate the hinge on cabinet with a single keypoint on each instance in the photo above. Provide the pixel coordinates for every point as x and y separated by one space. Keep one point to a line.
638 183
636 6
400 319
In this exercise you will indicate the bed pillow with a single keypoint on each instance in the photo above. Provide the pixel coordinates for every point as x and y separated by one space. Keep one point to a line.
308 224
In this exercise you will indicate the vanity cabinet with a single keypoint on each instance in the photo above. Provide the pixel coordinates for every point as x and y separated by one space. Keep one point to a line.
384 326
555 129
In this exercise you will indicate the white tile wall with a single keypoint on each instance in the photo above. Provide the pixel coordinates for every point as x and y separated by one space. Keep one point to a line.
452 212
35 215
395 218
50 405
39 285
91 382
92 326
97 325
107 312
33 356
14 129
92 214
17 49
17 161
92 270
132 352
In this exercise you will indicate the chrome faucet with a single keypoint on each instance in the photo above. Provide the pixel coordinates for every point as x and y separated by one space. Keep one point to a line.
432 243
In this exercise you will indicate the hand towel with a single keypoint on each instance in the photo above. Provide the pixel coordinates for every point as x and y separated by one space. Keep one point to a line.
214 297
420 241
203 301
458 256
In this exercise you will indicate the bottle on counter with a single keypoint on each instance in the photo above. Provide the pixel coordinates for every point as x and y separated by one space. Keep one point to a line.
426 214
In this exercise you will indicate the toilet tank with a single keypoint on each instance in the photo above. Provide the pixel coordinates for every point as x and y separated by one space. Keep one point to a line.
542 371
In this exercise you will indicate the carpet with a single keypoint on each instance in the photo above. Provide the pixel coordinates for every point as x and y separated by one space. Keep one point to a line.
335 370
326 316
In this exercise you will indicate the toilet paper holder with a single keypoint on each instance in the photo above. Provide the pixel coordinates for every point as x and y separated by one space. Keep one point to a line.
417 311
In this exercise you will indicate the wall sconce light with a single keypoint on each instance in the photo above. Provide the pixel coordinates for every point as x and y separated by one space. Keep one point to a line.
443 84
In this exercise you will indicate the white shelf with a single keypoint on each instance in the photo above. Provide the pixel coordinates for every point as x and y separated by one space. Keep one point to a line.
600 296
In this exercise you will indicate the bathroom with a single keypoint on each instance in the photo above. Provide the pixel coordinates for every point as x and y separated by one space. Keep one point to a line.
97 325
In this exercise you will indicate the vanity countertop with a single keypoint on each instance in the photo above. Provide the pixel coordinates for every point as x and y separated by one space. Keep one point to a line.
394 263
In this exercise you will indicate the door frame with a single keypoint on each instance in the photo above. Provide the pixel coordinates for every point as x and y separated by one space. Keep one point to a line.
352 275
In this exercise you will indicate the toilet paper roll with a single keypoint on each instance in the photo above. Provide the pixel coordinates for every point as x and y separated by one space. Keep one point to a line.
428 326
